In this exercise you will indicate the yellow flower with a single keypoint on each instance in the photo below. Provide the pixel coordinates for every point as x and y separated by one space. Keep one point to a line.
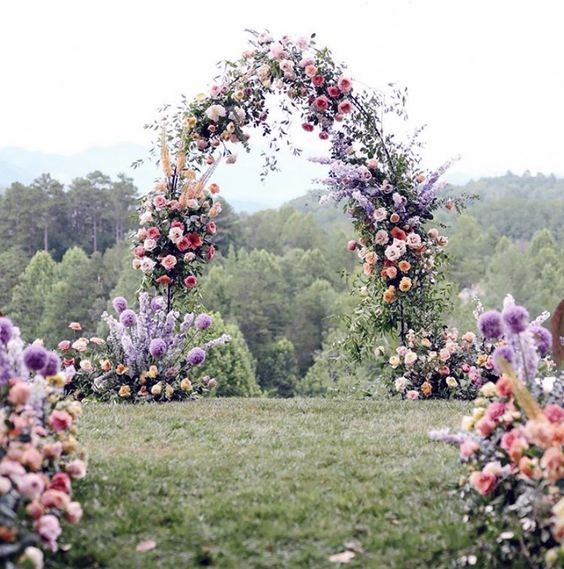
191 122
153 372
74 409
451 382
239 95
124 391
481 360
121 369
58 380
169 391
70 445
157 389
186 384
394 361
426 388
405 284
200 97
143 378
478 413
467 423
488 389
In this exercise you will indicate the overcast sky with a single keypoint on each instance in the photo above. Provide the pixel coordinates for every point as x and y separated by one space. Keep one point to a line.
485 75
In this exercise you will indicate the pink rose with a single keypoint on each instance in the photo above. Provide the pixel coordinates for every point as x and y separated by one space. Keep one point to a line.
64 345
55 499
53 450
139 251
211 228
485 426
20 392
484 482
31 486
508 438
76 469
468 448
554 413
75 326
74 513
321 103
183 244
333 91
345 107
159 201
60 481
308 127
351 245
495 410
210 253
11 468
412 394
311 71
169 262
142 234
34 510
32 458
48 529
344 84
153 232
190 281
553 462
318 80
60 420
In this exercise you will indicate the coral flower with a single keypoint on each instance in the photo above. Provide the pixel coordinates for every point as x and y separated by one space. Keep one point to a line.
484 482
405 284
389 295
404 266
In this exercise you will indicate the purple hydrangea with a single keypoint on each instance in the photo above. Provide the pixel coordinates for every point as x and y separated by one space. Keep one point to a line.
35 357
203 321
516 318
120 304
196 356
542 338
6 329
157 348
128 318
157 303
502 354
52 365
491 325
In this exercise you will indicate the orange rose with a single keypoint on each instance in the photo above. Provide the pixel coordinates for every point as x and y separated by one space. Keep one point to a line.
390 294
405 284
404 266
426 388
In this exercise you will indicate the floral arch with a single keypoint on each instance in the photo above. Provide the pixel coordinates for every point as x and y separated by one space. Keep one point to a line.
375 176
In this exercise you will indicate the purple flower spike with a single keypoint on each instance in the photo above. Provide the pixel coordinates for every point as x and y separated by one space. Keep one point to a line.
157 348
203 321
119 303
35 357
52 365
543 339
157 303
196 356
491 325
516 318
502 354
128 318
6 329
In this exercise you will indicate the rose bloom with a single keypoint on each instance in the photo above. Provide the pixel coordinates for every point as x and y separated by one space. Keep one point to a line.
75 326
394 361
390 294
368 269
159 201
142 234
211 228
398 233
153 232
451 382
310 71
60 420
121 369
321 103
189 257
80 345
318 80
139 251
485 426
405 284
552 462
483 482
86 365
410 358
190 281
64 345
468 448
19 393
164 280
149 244
413 240
124 391
175 234
169 262
554 413
344 84
380 214
61 482
412 395
345 107
106 365
371 257
333 91
426 388
73 513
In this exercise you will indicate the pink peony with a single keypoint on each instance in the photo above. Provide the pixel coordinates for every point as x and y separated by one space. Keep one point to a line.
412 394
321 103
496 410
60 481
64 345
76 469
169 262
55 499
318 80
31 486
468 448
159 201
48 529
333 92
554 413
60 420
484 482
153 232
345 107
310 71
19 394
344 84
485 426
190 281
74 513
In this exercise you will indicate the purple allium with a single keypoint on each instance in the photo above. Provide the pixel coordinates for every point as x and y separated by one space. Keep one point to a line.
542 338
490 324
6 329
157 348
203 321
128 318
502 354
516 318
35 357
119 303
196 356
157 303
52 365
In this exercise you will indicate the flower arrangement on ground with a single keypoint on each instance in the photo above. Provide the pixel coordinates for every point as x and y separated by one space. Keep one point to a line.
378 178
147 356
512 448
39 453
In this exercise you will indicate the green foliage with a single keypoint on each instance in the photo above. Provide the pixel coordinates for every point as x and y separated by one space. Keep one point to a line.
277 368
13 262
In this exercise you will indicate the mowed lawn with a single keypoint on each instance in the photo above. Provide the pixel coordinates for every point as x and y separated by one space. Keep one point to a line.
268 483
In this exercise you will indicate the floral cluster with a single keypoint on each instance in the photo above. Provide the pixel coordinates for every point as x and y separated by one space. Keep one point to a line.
147 356
177 228
39 453
388 196
434 366
512 447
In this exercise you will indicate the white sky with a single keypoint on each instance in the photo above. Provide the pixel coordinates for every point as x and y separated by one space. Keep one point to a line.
485 75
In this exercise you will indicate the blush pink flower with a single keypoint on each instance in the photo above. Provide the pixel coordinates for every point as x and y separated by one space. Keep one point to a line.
48 529
345 107
554 413
333 91
159 201
31 486
310 71
153 232
60 420
484 482
485 426
169 262
73 513
64 345
55 499
190 281
61 482
344 84
468 448
321 103
76 469
412 394
19 394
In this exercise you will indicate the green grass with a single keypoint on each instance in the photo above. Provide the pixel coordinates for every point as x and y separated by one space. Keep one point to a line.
267 483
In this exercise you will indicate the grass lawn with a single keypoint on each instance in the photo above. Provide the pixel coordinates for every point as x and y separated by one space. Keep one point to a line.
267 483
